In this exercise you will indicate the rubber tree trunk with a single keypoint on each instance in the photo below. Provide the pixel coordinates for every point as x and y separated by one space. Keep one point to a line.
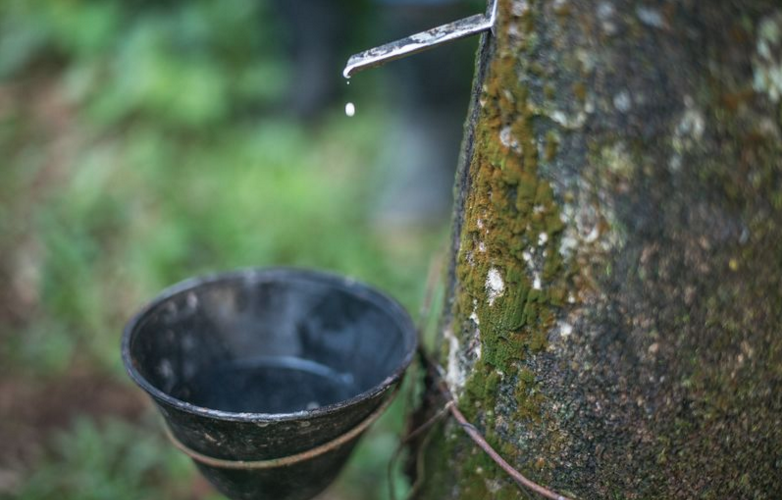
613 321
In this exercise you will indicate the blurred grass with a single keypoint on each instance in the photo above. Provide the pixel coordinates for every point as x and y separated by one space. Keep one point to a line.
113 461
142 143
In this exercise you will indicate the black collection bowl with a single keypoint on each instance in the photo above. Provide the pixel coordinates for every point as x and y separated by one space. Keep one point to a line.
267 377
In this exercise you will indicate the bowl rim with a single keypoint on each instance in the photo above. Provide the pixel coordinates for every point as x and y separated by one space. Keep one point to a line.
268 274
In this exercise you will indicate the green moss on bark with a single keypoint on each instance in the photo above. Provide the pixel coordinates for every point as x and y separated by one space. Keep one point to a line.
509 267
510 273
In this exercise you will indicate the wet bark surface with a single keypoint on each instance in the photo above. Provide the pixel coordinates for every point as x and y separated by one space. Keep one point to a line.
613 321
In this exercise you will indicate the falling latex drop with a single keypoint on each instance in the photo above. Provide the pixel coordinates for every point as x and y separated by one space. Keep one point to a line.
350 109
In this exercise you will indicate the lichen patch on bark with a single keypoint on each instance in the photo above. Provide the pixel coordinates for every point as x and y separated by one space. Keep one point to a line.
767 63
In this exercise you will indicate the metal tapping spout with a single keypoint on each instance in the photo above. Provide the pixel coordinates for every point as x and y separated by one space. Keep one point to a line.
422 41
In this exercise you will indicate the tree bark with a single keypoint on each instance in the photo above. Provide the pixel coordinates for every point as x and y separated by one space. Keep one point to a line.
613 322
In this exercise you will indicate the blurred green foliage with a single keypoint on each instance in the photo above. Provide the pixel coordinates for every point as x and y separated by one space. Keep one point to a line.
113 460
182 64
143 144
